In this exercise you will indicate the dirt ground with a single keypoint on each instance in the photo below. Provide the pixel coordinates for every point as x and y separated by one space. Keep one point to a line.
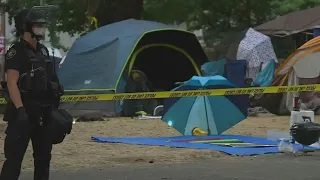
78 151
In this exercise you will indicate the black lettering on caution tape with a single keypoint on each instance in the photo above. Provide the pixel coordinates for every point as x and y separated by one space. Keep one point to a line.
134 96
190 94
174 95
244 91
297 89
258 91
118 97
78 98
230 92
311 88
280 90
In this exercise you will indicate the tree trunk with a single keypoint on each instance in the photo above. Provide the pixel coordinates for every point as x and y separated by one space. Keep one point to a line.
110 11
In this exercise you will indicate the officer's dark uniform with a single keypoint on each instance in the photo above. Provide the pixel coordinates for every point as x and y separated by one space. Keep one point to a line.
35 69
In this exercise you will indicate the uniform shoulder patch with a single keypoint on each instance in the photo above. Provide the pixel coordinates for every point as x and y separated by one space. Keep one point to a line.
11 53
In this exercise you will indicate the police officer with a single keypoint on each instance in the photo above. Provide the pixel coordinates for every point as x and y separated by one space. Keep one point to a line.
30 82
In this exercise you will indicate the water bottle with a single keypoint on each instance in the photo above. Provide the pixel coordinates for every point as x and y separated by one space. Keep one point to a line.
292 140
285 146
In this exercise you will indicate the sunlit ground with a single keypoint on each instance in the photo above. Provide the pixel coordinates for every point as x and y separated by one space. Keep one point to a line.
78 151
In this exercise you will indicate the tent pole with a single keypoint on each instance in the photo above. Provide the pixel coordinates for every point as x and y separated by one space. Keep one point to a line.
205 108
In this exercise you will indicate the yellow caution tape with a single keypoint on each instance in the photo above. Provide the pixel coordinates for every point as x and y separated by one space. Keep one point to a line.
188 93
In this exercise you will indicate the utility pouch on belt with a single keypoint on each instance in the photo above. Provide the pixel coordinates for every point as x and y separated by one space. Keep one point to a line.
60 125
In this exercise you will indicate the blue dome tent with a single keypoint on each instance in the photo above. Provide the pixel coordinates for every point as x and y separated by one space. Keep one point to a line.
101 61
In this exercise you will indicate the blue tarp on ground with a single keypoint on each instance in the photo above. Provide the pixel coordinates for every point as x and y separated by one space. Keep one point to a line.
180 142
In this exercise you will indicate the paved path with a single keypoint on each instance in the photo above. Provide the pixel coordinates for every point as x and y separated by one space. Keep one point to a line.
271 167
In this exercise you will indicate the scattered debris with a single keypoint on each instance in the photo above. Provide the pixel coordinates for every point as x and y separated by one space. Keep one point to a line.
256 111
89 119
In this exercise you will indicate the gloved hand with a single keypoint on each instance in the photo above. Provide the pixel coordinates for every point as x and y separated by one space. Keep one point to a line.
22 117
20 127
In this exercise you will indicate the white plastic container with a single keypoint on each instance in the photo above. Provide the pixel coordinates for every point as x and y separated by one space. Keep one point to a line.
301 116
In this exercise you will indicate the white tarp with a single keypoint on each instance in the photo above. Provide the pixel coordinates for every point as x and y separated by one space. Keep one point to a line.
257 49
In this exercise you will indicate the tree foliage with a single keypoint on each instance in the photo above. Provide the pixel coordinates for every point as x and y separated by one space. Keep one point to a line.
73 13
168 11
287 6
217 18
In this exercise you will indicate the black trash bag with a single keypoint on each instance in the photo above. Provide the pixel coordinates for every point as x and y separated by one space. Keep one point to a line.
60 125
305 133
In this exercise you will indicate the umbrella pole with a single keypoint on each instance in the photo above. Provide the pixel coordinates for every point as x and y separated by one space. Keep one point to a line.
205 108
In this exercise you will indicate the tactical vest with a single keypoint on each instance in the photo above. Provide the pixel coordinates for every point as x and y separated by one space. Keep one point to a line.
36 81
